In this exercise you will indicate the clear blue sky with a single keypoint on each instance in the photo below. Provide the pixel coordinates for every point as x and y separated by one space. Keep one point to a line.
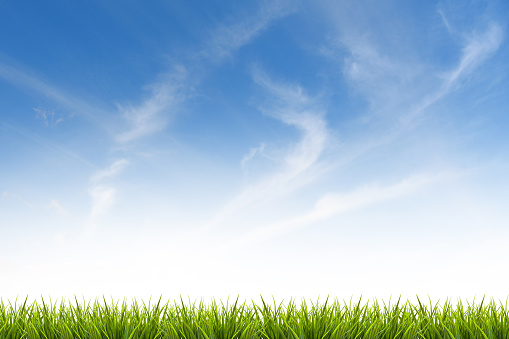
282 148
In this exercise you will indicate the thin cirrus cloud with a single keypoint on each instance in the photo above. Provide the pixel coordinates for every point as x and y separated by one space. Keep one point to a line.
290 105
384 81
477 49
55 148
24 78
149 117
251 154
9 195
333 204
400 91
293 107
48 117
102 194
103 198
154 113
55 205
226 39
115 168
389 76
445 21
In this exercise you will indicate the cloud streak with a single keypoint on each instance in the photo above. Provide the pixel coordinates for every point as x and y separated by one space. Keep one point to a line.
55 205
103 198
111 171
22 78
154 113
251 154
52 147
291 106
7 195
400 86
226 39
48 117
294 108
334 204
103 195
478 48
395 80
383 80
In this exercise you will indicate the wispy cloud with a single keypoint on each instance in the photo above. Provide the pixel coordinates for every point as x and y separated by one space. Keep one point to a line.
48 117
103 198
397 81
54 204
292 106
374 73
154 113
446 23
102 194
399 84
19 76
251 154
333 204
226 39
477 49
7 195
52 147
111 171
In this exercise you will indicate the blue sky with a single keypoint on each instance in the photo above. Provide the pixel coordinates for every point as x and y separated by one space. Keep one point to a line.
277 148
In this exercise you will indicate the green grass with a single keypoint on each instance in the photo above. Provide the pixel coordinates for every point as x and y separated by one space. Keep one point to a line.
180 320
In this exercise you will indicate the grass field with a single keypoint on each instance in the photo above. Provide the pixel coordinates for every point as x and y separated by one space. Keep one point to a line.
263 320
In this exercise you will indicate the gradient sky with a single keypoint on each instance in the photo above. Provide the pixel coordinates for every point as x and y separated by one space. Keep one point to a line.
275 148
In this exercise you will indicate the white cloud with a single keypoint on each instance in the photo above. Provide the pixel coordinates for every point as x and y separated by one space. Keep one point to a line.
336 203
373 73
7 195
153 114
103 198
54 204
399 85
293 107
251 154
374 65
42 114
477 49
225 39
111 171
391 75
52 147
18 75
48 117
290 105
447 25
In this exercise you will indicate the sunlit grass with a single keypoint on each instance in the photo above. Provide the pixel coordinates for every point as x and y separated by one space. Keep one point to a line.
264 320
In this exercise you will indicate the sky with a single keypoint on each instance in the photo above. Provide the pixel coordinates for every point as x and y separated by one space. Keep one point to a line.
276 149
